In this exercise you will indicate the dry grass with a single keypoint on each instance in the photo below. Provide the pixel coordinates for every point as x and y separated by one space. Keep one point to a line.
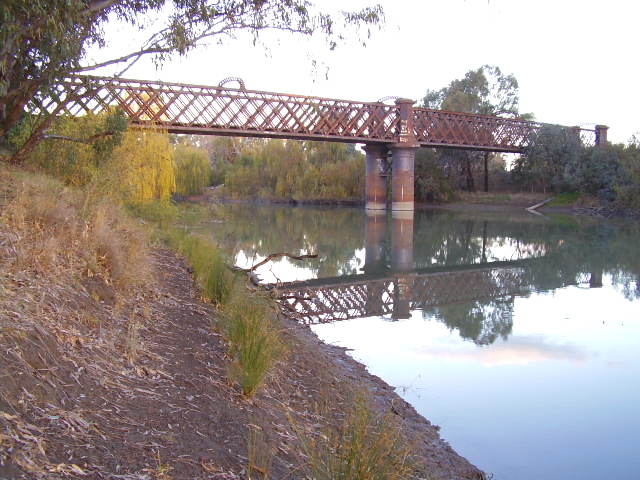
68 281
362 445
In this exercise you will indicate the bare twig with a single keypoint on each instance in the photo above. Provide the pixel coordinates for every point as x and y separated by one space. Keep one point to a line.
271 257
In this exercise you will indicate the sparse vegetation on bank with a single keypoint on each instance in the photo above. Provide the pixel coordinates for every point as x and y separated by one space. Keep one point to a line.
364 446
90 335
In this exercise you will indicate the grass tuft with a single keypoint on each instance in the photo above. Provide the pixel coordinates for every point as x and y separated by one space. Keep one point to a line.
361 446
255 342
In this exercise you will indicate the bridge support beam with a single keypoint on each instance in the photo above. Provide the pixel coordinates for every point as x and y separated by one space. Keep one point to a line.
402 191
376 177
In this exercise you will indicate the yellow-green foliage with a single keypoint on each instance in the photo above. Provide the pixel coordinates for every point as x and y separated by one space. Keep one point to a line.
299 171
76 147
193 169
92 151
207 261
146 157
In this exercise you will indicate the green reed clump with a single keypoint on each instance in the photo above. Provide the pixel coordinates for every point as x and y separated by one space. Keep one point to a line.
209 267
361 446
255 342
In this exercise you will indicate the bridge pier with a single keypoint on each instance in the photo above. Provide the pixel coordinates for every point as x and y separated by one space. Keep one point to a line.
402 190
376 177
403 154
601 135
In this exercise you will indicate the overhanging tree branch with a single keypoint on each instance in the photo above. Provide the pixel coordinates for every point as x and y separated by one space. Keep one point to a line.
43 42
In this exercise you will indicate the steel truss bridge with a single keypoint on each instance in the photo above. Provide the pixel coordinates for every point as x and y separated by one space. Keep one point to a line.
219 110
386 130
333 299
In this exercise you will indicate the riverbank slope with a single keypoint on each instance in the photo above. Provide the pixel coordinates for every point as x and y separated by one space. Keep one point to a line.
112 378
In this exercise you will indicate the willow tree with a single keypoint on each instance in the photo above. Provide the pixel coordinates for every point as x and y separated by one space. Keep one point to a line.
41 42
144 161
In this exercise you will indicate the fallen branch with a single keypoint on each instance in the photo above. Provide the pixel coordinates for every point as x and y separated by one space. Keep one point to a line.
271 257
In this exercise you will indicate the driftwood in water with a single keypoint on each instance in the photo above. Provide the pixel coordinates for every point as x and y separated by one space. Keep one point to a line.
252 276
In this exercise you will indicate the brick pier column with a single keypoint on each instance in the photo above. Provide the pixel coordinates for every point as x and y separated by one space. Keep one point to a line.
376 177
601 135
403 172
403 154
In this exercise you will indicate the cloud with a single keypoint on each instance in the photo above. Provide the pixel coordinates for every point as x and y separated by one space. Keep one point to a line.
518 350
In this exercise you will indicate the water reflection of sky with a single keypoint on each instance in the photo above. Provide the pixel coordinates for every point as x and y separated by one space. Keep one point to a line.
534 384
287 270
556 399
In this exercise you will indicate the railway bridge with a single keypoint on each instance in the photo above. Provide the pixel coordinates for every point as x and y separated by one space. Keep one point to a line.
385 129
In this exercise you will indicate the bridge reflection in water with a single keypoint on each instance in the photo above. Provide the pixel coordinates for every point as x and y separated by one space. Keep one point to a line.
390 285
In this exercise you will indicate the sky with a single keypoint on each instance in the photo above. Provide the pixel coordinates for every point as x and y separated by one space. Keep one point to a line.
577 61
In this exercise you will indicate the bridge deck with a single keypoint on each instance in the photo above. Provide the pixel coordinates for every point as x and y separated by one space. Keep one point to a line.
198 109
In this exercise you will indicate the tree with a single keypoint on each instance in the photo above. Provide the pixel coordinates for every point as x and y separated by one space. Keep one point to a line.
144 161
485 91
544 160
193 169
41 42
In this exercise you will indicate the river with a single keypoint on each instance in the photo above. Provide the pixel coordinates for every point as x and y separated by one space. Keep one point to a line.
517 333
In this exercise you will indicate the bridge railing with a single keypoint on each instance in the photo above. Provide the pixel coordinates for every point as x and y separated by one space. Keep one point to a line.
229 111
181 108
439 128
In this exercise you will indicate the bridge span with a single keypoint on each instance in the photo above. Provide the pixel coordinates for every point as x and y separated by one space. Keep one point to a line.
396 130
396 293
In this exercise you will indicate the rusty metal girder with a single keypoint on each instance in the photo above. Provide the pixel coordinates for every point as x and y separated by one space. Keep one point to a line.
199 109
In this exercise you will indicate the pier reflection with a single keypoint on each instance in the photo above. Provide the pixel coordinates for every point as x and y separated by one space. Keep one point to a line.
475 298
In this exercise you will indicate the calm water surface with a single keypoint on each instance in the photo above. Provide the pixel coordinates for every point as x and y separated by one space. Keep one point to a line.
518 334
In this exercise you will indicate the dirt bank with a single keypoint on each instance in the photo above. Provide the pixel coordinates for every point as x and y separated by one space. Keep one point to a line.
170 413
